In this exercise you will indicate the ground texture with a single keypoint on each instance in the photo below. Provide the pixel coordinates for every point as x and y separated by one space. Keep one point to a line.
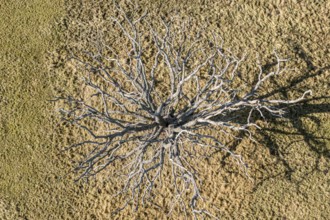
289 163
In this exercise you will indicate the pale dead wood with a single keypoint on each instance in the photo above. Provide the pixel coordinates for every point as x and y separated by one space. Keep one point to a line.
147 128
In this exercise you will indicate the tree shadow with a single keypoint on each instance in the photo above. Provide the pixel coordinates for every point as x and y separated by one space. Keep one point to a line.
295 118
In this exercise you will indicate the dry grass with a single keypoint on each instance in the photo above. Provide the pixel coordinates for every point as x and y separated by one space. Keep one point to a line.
290 163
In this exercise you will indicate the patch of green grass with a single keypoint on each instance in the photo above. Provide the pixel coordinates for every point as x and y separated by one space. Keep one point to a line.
27 167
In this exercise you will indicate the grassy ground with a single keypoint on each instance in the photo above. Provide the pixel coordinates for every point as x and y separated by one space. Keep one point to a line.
289 164
28 188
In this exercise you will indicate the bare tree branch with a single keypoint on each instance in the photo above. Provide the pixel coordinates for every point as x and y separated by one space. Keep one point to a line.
146 113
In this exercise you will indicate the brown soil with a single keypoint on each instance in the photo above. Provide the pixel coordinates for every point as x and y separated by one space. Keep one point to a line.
289 162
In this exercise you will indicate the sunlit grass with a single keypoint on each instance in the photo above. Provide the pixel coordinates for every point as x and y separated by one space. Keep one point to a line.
30 168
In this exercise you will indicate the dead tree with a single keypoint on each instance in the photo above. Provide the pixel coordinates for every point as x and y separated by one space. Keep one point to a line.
155 112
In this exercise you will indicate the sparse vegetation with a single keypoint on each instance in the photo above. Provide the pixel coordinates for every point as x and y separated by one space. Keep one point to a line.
145 113
288 162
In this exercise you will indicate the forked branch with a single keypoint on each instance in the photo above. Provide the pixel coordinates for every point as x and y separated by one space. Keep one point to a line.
146 113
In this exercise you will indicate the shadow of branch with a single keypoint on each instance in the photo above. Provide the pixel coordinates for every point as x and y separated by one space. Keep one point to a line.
297 117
